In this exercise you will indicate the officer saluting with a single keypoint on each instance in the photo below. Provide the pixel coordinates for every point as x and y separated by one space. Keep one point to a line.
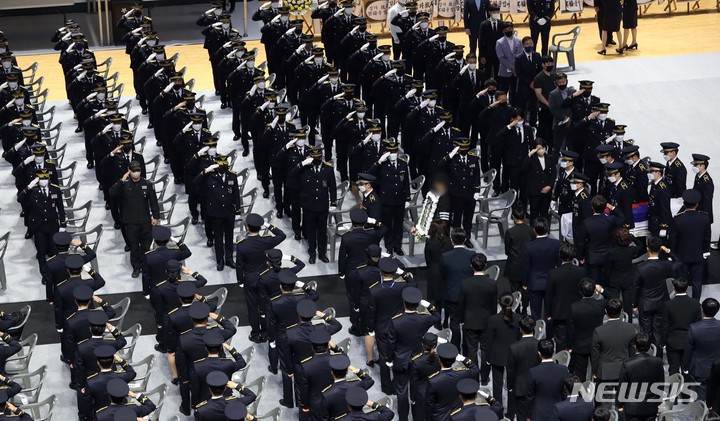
470 410
463 167
56 263
357 399
156 259
214 344
581 209
333 396
562 193
635 172
442 397
703 183
621 194
675 171
365 231
215 407
370 199
119 393
659 214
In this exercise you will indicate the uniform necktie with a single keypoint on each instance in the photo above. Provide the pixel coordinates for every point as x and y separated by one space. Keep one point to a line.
472 78
44 191
492 99
361 126
494 26
317 170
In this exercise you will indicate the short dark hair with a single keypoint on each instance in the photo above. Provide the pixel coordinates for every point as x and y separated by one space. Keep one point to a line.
710 307
478 261
217 391
567 252
680 285
540 225
546 348
458 236
622 237
526 38
642 342
587 287
514 112
105 363
527 324
613 308
518 213
560 76
491 82
547 59
654 244
598 203
601 414
570 382
540 141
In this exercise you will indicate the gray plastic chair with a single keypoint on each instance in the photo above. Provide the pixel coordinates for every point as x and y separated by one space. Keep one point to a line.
157 395
167 207
41 411
30 72
180 229
57 153
51 135
221 294
19 363
121 308
517 300
77 217
126 353
92 239
540 330
344 346
152 166
697 410
565 43
46 118
144 369
161 185
3 248
674 392
257 386
494 211
31 384
15 330
248 355
493 272
562 357
70 194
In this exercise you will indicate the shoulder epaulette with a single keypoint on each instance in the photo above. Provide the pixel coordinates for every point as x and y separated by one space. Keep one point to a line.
354 379
240 241
189 330
51 257
662 185
173 247
50 161
423 312
327 388
55 185
362 266
434 374
344 414
583 195
70 316
160 283
201 404
101 409
373 284
397 315
291 326
149 251
403 159
463 368
264 272
328 164
706 177
472 154
232 172
306 360
92 375
678 163
229 398
456 411
275 297
137 153
642 166
84 340
197 361
623 185
417 356
173 310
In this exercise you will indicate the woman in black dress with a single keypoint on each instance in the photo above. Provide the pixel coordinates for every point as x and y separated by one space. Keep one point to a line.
630 22
612 12
620 273
438 242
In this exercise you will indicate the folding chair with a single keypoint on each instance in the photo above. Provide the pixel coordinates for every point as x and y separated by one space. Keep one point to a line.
210 117
77 218
139 144
517 300
70 194
66 174
179 229
151 167
30 72
111 81
133 333
493 272
160 185
133 125
338 224
221 294
271 415
3 248
257 386
41 411
117 92
444 335
125 108
46 117
248 355
103 69
562 357
91 238
167 207
540 330
19 363
416 188
242 175
50 136
57 154
31 384
121 308
35 86
16 330
497 215
344 346
675 386
39 100
144 369
157 395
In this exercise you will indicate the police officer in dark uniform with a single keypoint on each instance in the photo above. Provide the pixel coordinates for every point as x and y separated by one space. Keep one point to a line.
27 170
56 263
119 403
77 326
85 362
94 395
422 366
419 33
185 144
442 397
394 185
366 152
314 375
404 341
357 61
703 183
659 214
388 89
214 344
220 397
333 115
581 209
562 194
250 255
114 166
139 211
287 158
318 194
164 297
675 171
266 12
219 186
350 43
334 405
439 141
418 122
689 239
621 193
357 399
354 243
155 269
370 201
64 301
592 131
356 128
463 168
470 410
8 411
277 135
636 172
204 158
606 154
269 277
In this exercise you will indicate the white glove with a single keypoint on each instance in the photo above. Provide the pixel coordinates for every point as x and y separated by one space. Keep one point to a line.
399 271
272 344
542 21
454 152
175 240
266 5
10 103
372 221
66 36
450 56
136 30
384 254
33 183
107 128
338 96
300 48
211 168
4 85
289 31
477 196
338 13
349 115
265 225
91 96
442 341
299 284
158 73
384 157
553 204
610 139
274 122
433 38
460 358
404 13
663 233
324 5
425 303
355 29
216 25
287 258
706 255
416 25
365 47
391 72
389 364
142 41
253 89
187 127
333 208
464 69
81 75
129 13
371 334
307 161
309 60
424 103
101 112
168 88
378 56
290 143
70 48
150 58
484 394
87 267
367 139
203 150
19 145
410 93
276 18
438 126
407 204
323 79
231 54
28 160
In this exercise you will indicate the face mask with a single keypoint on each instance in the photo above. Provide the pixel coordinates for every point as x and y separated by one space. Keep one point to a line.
549 67
495 16
612 178
333 80
603 161
348 10
432 103
116 127
472 67
44 183
101 96
360 115
250 64
375 137
300 142
696 170
190 104
261 85
574 186
393 157
509 34
319 60
222 169
275 4
620 138
629 161
386 57
442 38
177 87
464 152
212 151
602 117
7 64
271 105
667 158
284 18
563 164
127 148
316 161
39 159
586 94
26 122
79 46
225 25
362 188
541 152
424 25
19 101
562 87
12 85
651 177
528 48
197 127
160 56
151 42
135 175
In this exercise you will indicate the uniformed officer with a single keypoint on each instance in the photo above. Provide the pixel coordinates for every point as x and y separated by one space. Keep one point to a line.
393 181
404 341
287 158
275 136
372 71
333 113
675 171
314 375
703 183
418 122
269 276
8 411
365 231
318 194
213 408
114 166
155 265
357 399
562 194
56 264
355 129
591 131
470 410
185 144
94 395
219 186
9 387
690 239
204 158
77 326
139 211
431 51
334 405
85 362
266 12
581 209
370 201
442 397
463 168
401 108
621 193
439 141
250 255
164 297
417 34
120 393
636 172
384 302
236 411
607 154
422 366
64 302
214 344
659 214
45 215
388 89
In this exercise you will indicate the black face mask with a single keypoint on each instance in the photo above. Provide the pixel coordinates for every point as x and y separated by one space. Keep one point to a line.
458 56
442 38
562 87
587 94
509 34
190 104
362 28
177 87
549 68
492 92
222 169
127 148
317 161
412 14
173 275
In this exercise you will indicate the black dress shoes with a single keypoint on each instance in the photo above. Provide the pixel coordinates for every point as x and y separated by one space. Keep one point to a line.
221 266
324 258
230 264
311 260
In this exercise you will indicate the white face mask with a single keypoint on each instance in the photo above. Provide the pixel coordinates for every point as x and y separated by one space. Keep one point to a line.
19 101
348 10
393 156
212 151
39 159
101 96
26 122
667 157
333 80
284 18
472 66
696 170
602 117
575 186
151 42
603 161
12 85
271 105
301 142
424 25
135 175
218 11
362 188
386 57
160 56
651 176
620 138
116 127
44 183
319 60
375 137
629 161
432 103
360 115
7 64
250 64
495 16
225 25
612 179
261 85
563 164
197 127
275 4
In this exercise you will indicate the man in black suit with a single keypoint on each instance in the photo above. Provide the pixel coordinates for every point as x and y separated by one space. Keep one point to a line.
611 344
480 127
490 32
456 267
541 255
585 315
690 238
527 66
595 234
651 290
703 346
540 175
523 356
545 383
516 237
478 301
497 115
641 369
677 316
474 14
512 142
574 407
563 289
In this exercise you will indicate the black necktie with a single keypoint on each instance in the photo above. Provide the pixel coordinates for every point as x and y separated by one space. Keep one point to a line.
44 191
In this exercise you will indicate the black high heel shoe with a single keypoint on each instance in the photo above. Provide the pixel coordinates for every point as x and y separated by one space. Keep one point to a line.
619 51
602 52
632 46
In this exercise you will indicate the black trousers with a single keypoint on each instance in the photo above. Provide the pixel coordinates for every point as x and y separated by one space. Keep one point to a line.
545 129
252 300
342 161
292 198
386 384
139 238
278 179
536 303
454 324
696 274
510 178
401 384
498 371
537 31
472 341
222 229
626 294
579 365
315 225
520 406
674 358
560 332
397 50
651 323
193 202
474 39
418 390
44 247
463 209
539 205
392 218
